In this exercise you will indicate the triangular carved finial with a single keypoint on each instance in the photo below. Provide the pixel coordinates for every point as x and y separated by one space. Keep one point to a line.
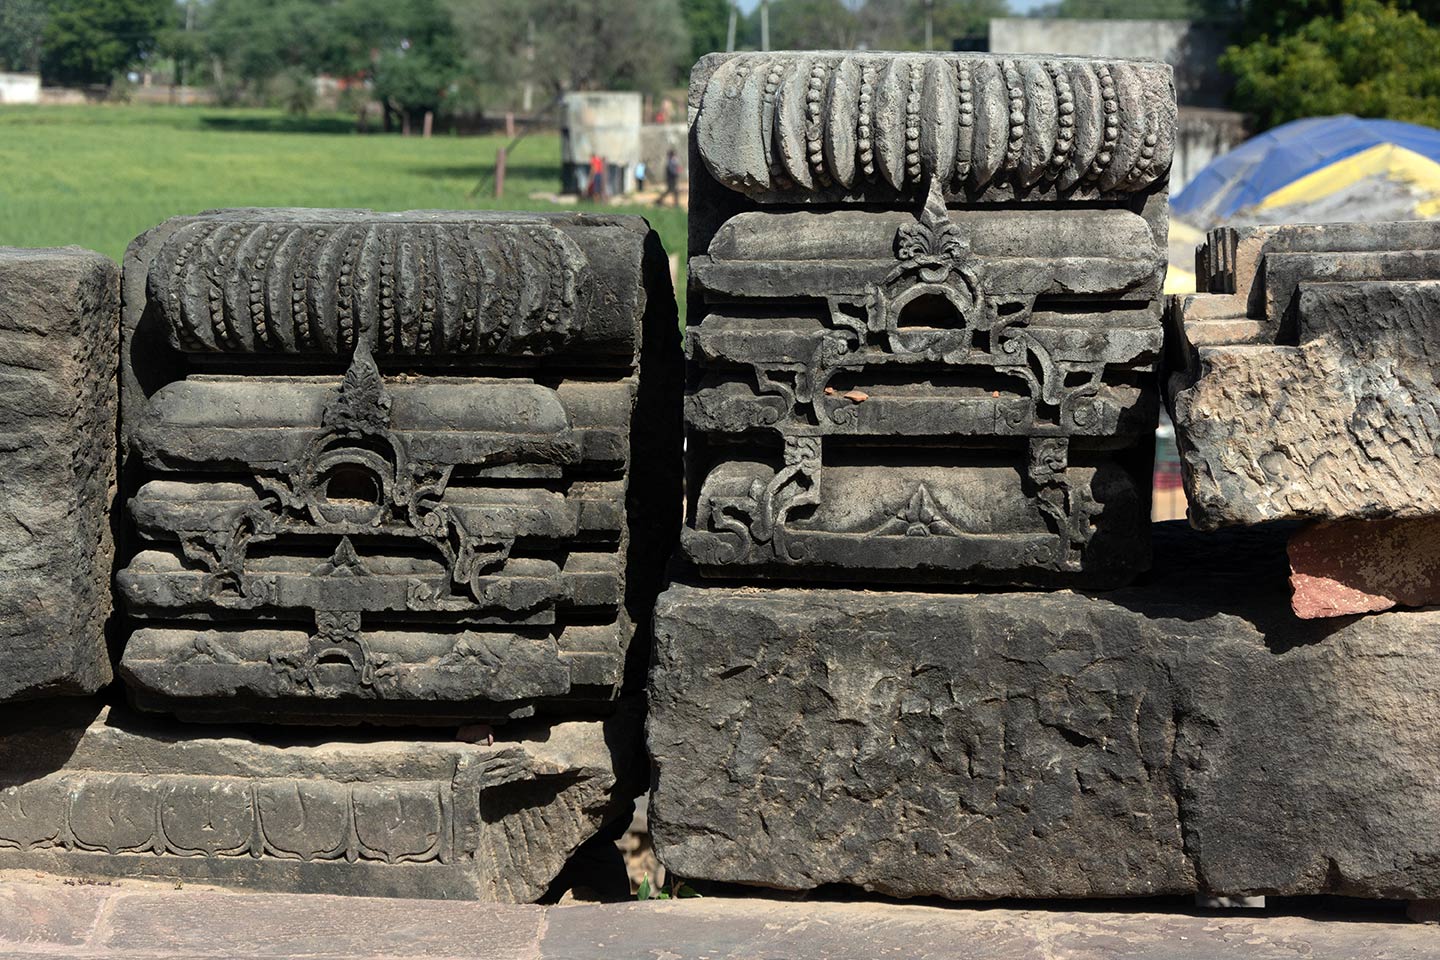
344 562
934 243
362 403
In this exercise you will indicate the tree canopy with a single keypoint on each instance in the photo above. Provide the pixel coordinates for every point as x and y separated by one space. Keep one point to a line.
1367 58
91 41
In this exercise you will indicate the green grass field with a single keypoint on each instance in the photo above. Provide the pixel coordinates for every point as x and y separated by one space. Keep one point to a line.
98 175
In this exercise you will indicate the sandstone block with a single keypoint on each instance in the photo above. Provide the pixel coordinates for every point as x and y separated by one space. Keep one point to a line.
59 323
418 466
1302 379
892 378
1361 566
1184 735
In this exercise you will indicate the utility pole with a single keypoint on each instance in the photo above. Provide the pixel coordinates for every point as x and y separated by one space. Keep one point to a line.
929 24
764 24
528 90
730 34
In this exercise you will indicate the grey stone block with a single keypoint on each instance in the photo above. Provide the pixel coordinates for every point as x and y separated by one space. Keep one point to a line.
893 378
59 323
1186 734
1302 377
113 794
418 467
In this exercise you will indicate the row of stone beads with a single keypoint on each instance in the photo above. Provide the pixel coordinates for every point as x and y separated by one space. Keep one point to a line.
737 80
815 123
1146 160
967 114
912 122
1016 91
773 77
388 334
427 284
1065 117
1111 119
183 334
864 140
344 294
219 322
257 287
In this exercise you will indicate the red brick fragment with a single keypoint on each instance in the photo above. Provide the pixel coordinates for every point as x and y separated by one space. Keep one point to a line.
1339 568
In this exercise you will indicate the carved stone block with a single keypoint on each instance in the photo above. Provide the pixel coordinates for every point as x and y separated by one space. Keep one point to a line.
380 465
59 325
1303 375
1186 734
117 795
925 315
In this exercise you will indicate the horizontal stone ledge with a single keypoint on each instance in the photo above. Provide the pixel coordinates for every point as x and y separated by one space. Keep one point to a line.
1187 734
100 792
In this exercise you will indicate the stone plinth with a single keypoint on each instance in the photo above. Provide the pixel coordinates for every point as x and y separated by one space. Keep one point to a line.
379 466
59 325
892 376
1187 734
110 794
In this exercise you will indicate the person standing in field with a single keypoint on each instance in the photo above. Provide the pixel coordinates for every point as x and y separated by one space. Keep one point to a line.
597 177
640 177
672 178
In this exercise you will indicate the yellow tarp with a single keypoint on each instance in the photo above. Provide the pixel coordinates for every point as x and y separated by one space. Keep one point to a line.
1386 159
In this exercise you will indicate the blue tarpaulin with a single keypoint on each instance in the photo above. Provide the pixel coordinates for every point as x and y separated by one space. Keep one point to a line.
1262 166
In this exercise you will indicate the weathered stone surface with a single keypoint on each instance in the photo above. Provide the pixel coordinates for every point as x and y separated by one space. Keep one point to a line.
1303 377
379 465
893 379
1186 734
59 323
115 795
1361 566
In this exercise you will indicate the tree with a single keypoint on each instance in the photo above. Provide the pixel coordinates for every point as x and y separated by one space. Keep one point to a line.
22 23
92 41
562 45
1371 60
808 25
708 23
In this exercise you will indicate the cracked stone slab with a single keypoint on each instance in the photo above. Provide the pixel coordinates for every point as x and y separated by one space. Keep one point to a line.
1187 734
102 792
59 323
1302 377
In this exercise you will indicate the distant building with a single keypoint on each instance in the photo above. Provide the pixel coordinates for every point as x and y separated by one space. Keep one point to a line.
1193 49
606 125
19 88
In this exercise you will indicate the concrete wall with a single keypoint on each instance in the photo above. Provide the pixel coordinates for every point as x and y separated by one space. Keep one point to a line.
1191 48
19 88
1201 136
656 139
607 124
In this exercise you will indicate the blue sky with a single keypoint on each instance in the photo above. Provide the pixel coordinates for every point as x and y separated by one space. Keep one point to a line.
1018 6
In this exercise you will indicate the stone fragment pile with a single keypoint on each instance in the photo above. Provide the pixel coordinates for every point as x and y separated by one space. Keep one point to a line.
1305 388
375 469
338 545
